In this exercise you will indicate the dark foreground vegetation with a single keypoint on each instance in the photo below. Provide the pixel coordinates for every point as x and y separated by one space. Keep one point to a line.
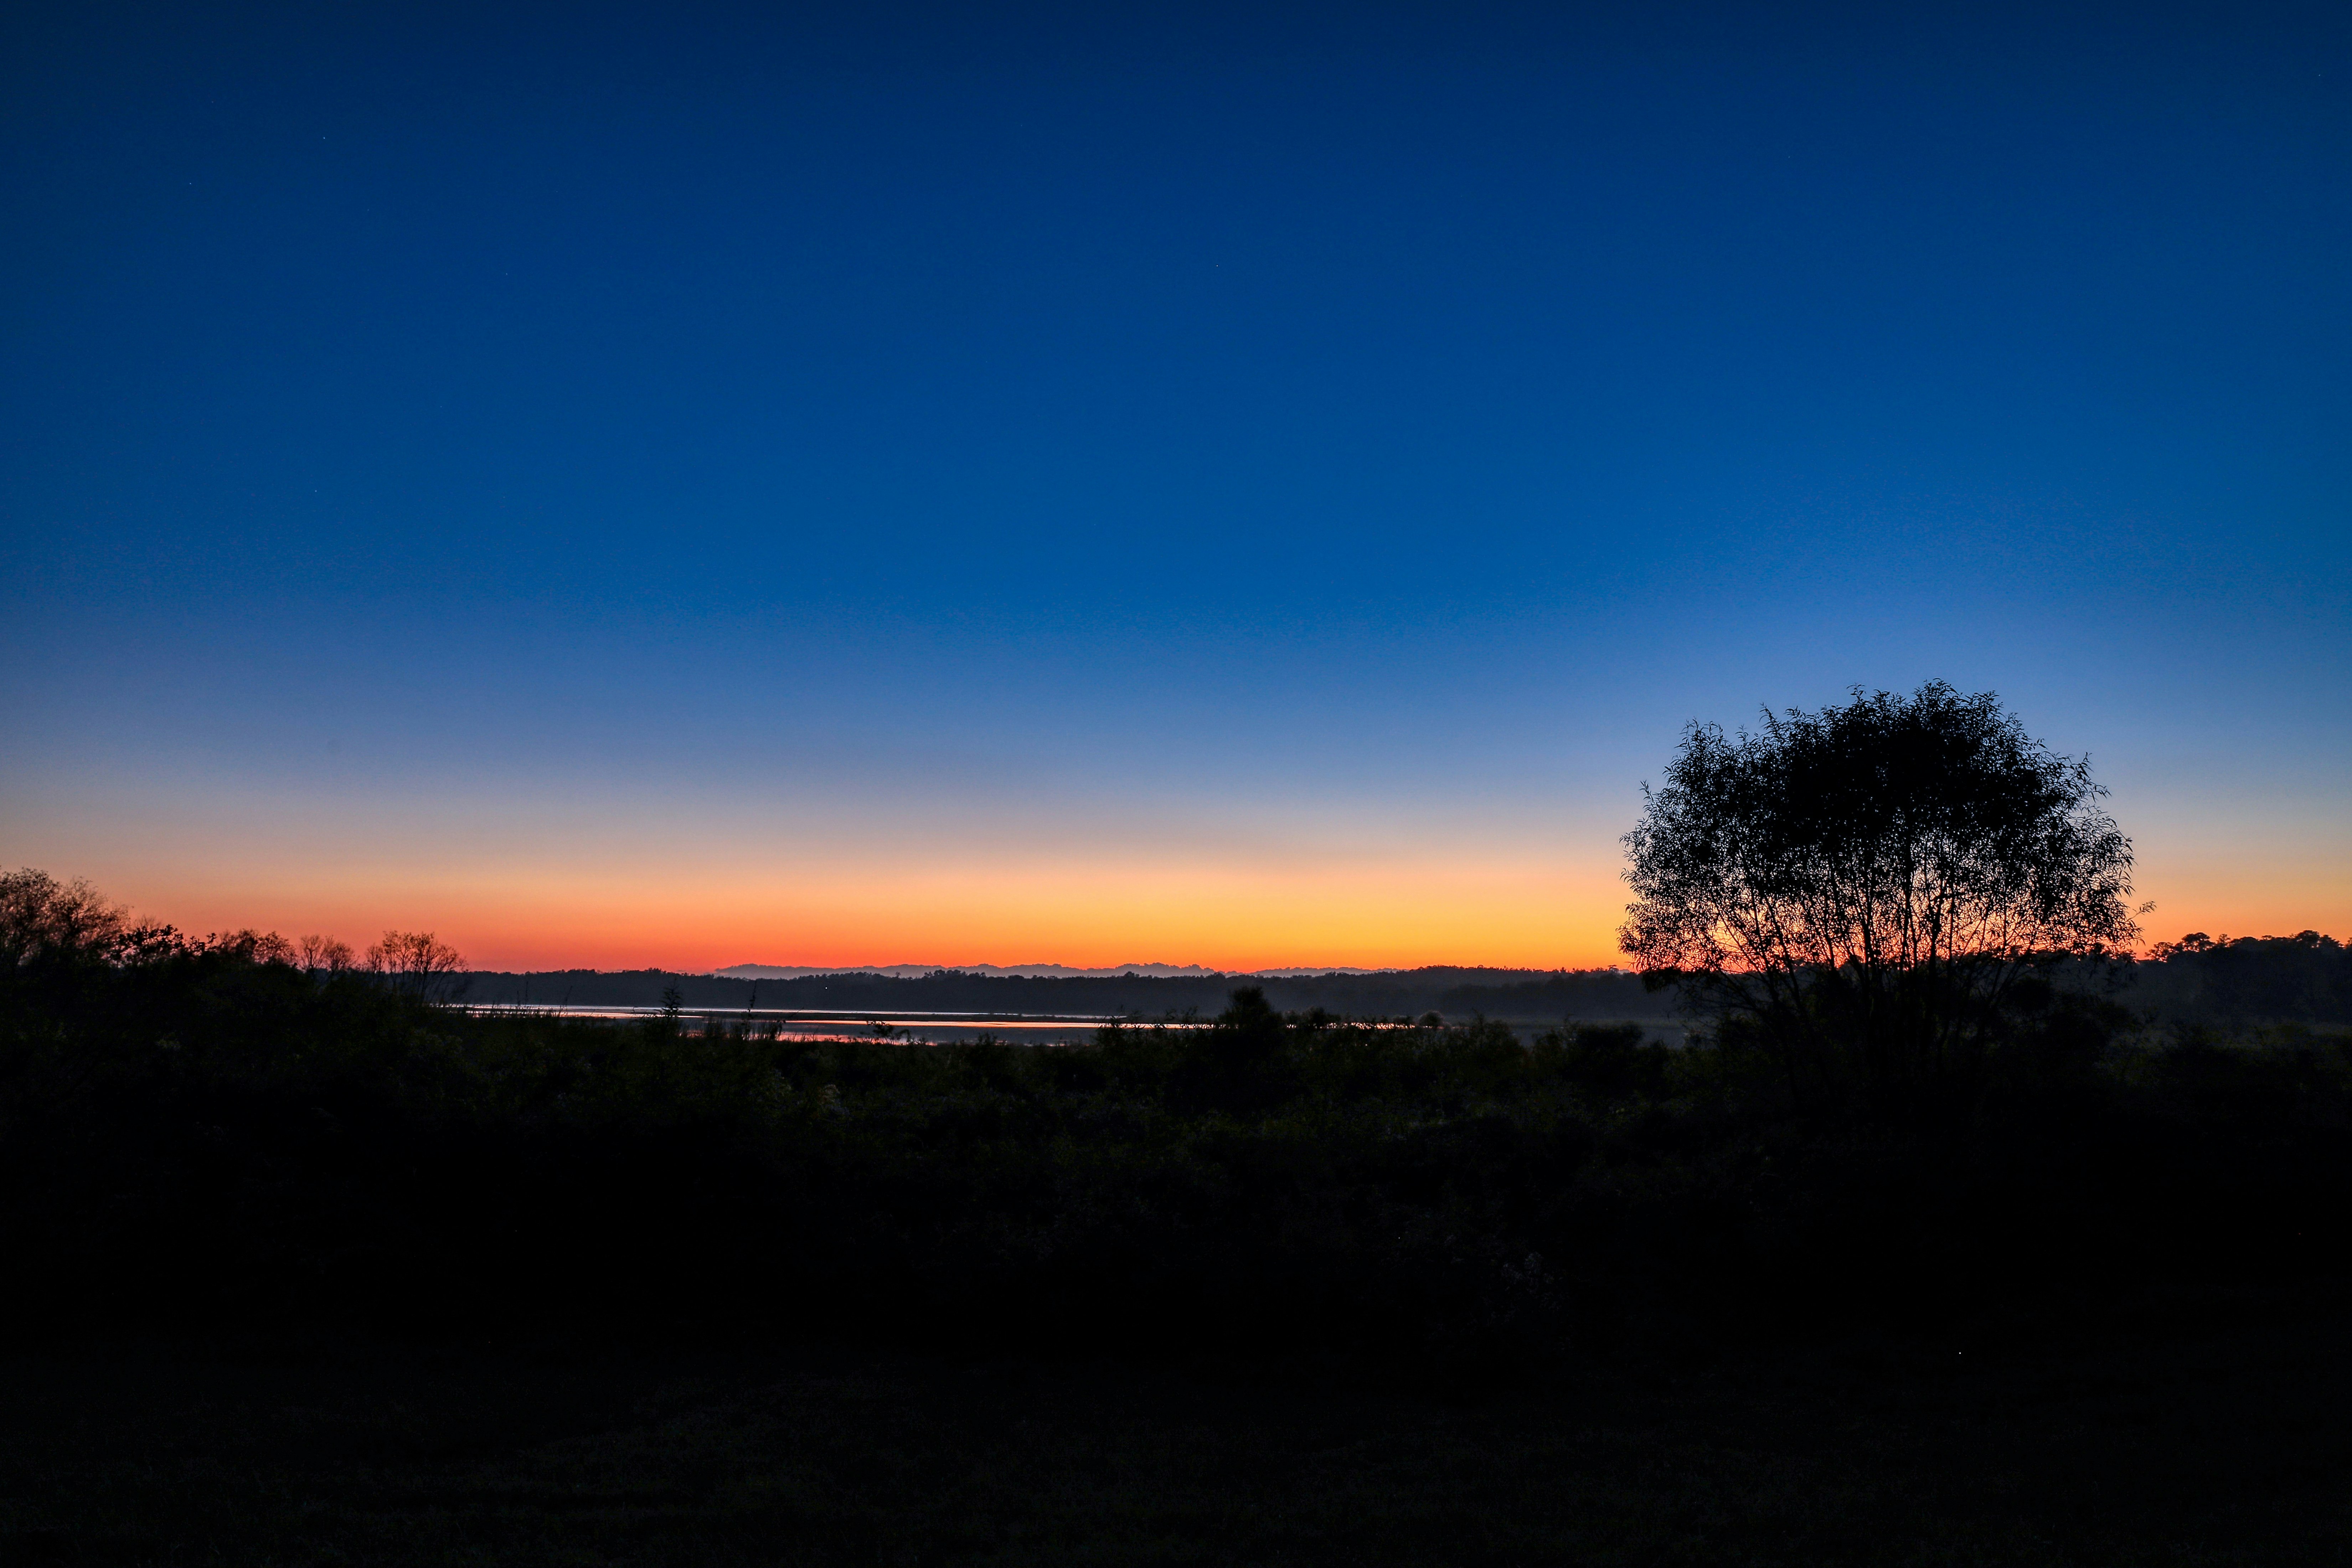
1930 1249
2206 1433
194 1138
583 1265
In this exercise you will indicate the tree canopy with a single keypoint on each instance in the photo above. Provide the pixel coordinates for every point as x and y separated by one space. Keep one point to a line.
1872 874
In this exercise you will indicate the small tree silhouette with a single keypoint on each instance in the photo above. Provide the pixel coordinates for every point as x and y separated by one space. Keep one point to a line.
322 955
418 964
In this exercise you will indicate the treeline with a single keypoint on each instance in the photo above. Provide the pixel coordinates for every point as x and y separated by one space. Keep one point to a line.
2227 982
1523 995
2231 982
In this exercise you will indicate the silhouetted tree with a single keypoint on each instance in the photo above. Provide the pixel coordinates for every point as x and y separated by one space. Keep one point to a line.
44 919
253 946
1860 889
322 955
417 963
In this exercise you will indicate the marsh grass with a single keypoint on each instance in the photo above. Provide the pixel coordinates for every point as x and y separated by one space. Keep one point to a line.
208 1140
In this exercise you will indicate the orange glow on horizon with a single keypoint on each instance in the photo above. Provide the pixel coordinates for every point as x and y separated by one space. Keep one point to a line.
1532 918
689 891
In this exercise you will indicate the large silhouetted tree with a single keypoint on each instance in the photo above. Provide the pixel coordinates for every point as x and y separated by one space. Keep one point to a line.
1861 888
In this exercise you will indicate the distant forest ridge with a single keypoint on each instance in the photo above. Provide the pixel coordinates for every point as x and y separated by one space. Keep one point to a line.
1532 994
1035 970
2306 978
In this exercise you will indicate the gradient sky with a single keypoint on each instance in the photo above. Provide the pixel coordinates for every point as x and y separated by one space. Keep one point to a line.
1264 487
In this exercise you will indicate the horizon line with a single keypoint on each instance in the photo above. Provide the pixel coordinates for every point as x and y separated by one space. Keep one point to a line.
1062 971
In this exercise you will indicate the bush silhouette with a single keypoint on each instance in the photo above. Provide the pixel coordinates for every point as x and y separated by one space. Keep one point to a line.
1607 1060
1240 1062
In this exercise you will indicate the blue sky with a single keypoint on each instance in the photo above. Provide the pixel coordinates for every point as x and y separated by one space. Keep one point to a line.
1250 487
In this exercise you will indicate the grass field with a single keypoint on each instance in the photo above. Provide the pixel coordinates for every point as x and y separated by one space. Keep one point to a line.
2212 1431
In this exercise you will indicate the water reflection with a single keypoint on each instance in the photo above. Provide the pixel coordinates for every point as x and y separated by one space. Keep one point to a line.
912 1029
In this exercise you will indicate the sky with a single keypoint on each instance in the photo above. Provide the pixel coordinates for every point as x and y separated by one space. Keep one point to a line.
692 485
